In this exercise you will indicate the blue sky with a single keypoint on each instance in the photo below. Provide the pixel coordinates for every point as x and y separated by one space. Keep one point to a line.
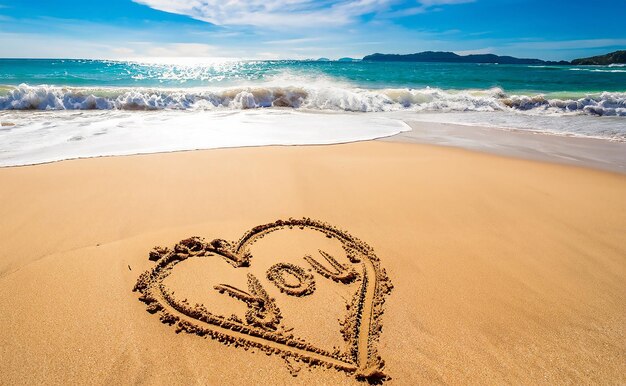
279 29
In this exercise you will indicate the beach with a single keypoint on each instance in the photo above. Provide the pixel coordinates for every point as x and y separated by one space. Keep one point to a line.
489 268
301 192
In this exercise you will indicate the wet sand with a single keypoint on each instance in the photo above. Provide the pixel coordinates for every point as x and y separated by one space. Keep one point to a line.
417 263
579 151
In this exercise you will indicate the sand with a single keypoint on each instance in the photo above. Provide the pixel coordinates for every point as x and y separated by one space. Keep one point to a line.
417 263
579 151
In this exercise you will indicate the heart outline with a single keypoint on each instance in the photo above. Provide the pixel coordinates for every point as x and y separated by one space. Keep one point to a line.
361 328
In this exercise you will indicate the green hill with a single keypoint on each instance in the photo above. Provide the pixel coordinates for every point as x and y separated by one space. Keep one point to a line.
617 57
451 57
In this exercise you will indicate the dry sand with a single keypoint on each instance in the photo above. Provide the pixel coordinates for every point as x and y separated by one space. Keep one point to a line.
503 270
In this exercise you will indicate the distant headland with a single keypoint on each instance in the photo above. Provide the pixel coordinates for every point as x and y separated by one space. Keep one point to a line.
617 57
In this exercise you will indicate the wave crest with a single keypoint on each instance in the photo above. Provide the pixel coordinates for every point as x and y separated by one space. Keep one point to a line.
25 97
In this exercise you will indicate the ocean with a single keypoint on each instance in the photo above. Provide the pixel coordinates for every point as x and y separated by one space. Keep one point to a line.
52 109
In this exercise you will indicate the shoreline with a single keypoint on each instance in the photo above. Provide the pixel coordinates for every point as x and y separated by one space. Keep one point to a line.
592 153
584 152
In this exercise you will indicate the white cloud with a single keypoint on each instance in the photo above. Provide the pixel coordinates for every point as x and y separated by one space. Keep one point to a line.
269 13
123 51
301 35
292 41
16 45
279 14
425 6
42 46
181 50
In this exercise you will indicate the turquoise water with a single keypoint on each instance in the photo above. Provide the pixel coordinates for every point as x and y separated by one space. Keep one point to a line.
338 86
521 79
59 109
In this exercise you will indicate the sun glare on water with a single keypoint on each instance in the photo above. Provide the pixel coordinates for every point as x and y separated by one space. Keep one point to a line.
182 61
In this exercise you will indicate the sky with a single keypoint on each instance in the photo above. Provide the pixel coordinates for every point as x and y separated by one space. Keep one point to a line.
301 29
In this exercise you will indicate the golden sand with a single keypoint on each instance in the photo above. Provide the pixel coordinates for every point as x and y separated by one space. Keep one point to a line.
503 270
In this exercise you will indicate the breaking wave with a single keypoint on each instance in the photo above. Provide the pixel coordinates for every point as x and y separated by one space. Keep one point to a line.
336 98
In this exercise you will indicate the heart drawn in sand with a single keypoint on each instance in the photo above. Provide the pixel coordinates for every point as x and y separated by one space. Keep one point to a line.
262 325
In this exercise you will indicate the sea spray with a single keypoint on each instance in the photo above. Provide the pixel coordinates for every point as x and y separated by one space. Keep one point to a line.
350 99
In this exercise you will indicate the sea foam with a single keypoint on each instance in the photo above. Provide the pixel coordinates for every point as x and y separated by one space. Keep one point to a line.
340 97
37 137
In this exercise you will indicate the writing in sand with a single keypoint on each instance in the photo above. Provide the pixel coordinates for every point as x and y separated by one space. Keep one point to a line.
310 292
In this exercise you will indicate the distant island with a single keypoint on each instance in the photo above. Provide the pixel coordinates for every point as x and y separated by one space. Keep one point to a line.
451 57
616 57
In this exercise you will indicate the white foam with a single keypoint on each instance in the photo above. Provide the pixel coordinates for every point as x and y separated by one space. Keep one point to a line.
38 137
591 69
321 95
